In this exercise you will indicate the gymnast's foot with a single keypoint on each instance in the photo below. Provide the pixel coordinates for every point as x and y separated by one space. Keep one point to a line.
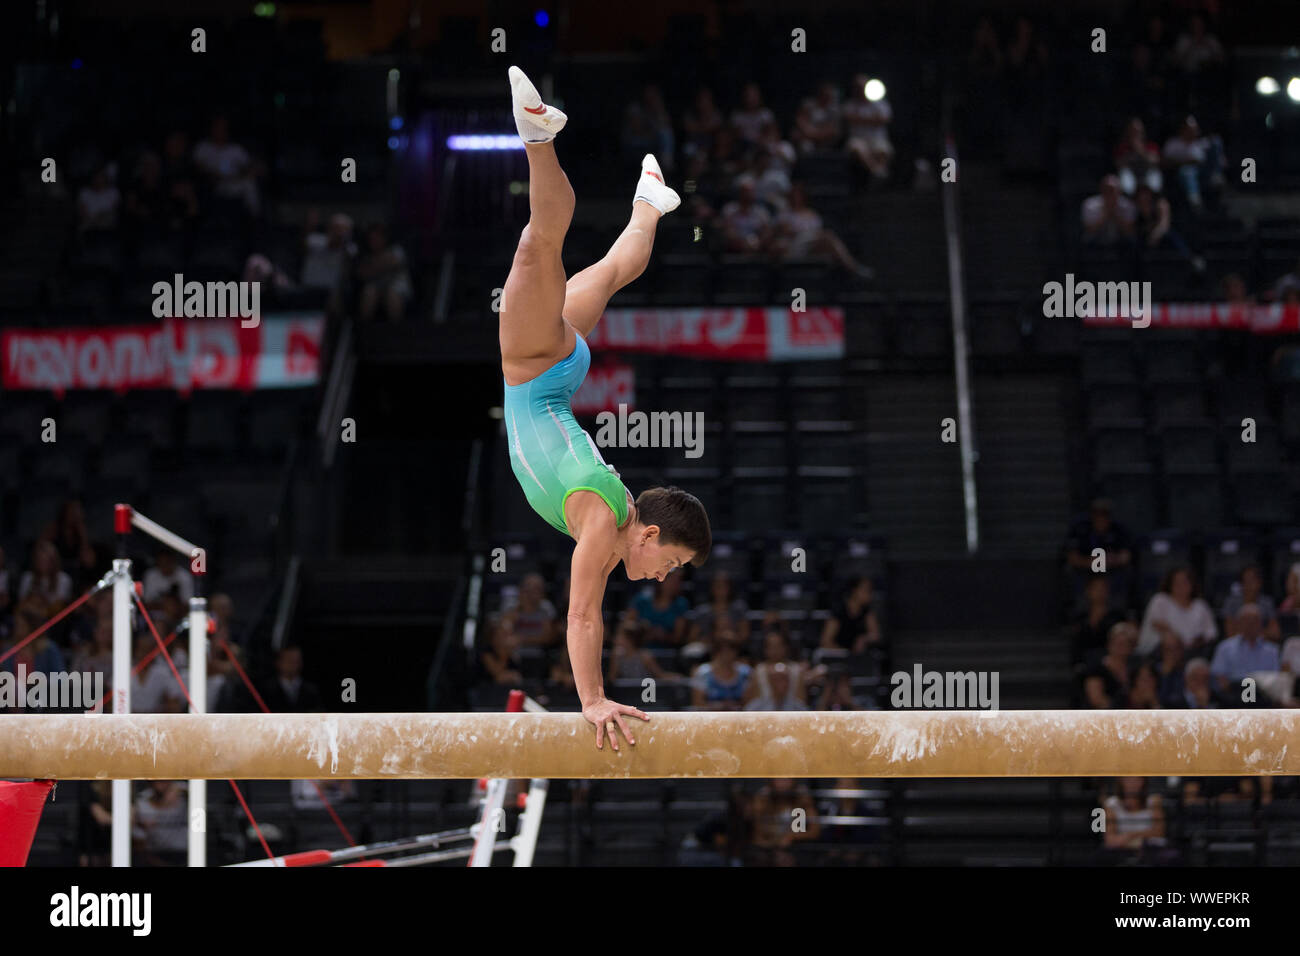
652 189
536 122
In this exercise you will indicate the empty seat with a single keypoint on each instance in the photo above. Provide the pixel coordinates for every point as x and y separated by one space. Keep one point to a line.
1107 363
1132 491
1190 445
1118 446
759 445
1177 403
1262 454
1172 362
742 280
1195 498
1114 404
1263 498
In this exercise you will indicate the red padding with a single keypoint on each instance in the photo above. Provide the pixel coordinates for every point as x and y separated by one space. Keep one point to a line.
367 863
307 858
20 812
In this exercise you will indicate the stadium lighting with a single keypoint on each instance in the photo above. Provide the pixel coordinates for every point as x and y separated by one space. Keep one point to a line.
1267 86
482 142
1293 89
874 90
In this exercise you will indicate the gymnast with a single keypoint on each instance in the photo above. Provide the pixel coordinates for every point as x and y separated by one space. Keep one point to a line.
544 320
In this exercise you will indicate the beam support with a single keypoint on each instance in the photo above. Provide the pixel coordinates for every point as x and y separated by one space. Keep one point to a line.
1066 743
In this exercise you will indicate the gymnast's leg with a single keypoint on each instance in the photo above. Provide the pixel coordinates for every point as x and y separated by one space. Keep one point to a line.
533 333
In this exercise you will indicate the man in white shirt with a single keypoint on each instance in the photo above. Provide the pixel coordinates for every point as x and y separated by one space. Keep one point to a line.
165 575
228 165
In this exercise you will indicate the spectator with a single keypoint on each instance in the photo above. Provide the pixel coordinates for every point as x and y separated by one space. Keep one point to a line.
79 555
746 224
780 693
776 651
530 615
289 693
1154 230
561 674
1233 290
149 209
45 589
160 824
153 688
647 128
1169 671
984 61
1197 693
719 683
180 178
165 575
1092 624
1108 217
748 121
1197 49
724 610
1249 589
385 278
1134 817
228 166
1197 161
1291 601
781 152
1244 653
772 182
854 626
819 123
798 233
1106 683
41 656
629 661
97 656
1177 607
95 825
500 660
701 124
1137 160
1288 284
1144 693
771 818
838 692
226 630
867 125
665 611
98 202
328 256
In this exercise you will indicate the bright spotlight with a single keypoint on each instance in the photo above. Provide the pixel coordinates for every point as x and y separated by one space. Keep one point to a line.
1293 88
1267 86
874 90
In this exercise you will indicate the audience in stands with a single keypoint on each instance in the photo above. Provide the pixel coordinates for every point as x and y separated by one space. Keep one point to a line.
719 683
1153 227
1178 608
166 574
230 170
45 588
776 652
749 119
1196 160
1242 654
1198 694
771 814
95 825
700 124
1098 529
160 824
798 233
180 177
529 615
79 554
1169 666
1093 622
98 203
665 612
819 122
1249 589
1135 817
1291 600
629 661
1197 49
327 256
1232 290
96 657
866 124
1137 160
1106 680
384 277
854 625
1109 218
289 692
499 660
779 693
1288 284
724 610
1144 690
746 223
648 128
41 656
153 687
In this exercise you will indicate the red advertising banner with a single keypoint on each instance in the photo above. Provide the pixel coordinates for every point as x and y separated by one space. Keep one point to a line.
282 351
747 334
1261 319
606 386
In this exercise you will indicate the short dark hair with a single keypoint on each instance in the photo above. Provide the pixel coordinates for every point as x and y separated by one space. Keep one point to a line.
681 518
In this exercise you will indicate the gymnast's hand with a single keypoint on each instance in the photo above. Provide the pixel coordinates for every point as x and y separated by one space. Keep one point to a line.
607 716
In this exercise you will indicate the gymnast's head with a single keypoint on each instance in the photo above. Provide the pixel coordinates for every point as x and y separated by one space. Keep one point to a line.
671 529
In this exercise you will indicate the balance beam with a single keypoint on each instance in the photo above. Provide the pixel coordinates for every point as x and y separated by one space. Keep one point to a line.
1011 743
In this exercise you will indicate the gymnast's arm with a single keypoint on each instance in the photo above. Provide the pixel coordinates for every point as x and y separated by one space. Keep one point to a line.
596 534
